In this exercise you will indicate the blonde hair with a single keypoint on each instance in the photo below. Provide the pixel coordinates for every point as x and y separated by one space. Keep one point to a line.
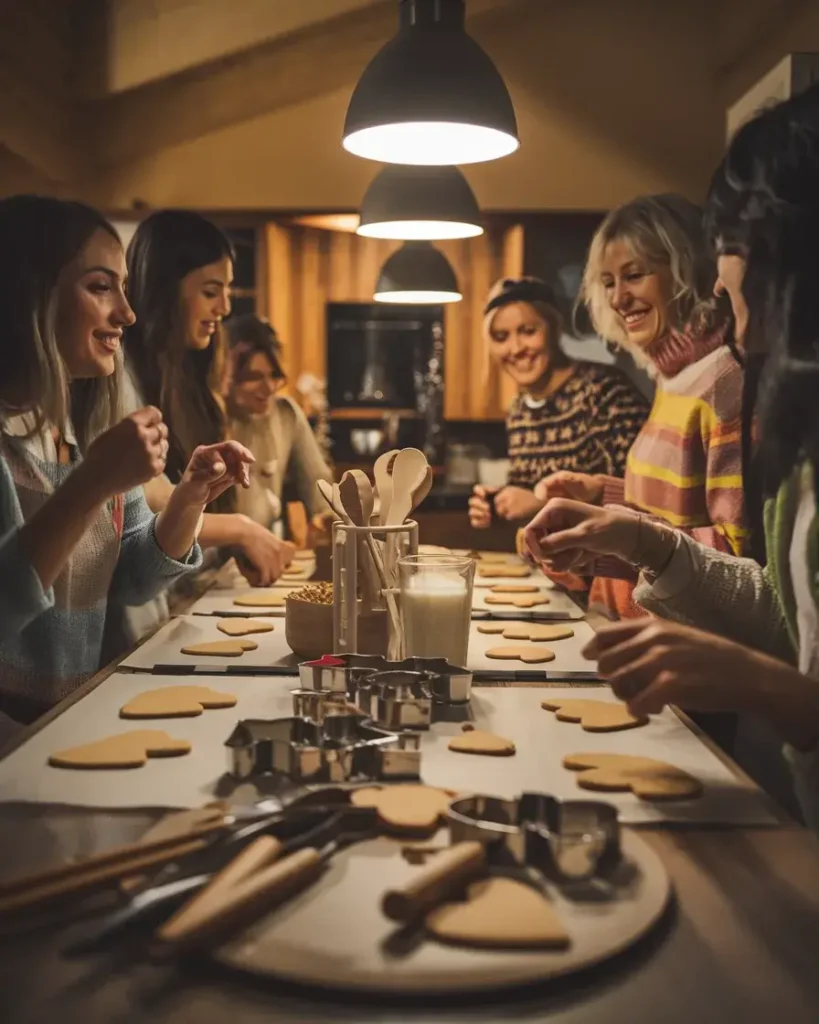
532 292
41 237
661 231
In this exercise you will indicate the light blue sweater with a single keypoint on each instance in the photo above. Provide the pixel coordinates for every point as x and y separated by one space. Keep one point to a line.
50 640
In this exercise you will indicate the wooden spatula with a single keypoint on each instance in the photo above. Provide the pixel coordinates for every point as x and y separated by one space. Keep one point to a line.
382 473
409 472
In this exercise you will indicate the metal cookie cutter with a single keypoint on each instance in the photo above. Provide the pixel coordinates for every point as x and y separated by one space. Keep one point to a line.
453 684
340 748
318 704
398 699
566 840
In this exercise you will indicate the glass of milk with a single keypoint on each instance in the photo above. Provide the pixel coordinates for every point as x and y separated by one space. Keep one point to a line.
436 605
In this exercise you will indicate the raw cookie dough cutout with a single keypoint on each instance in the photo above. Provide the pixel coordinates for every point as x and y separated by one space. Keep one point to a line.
221 648
532 631
497 569
514 588
407 808
594 715
176 702
527 653
518 600
476 741
261 599
499 912
646 778
243 627
127 750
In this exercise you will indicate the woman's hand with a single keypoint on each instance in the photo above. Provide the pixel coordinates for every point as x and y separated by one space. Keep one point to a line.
129 454
576 486
262 556
480 509
516 503
568 536
650 663
212 470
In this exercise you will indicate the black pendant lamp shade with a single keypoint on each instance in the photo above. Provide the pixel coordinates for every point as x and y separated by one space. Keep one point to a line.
419 203
431 95
417 273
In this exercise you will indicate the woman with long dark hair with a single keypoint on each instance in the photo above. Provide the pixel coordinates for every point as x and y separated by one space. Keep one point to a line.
180 269
770 665
74 525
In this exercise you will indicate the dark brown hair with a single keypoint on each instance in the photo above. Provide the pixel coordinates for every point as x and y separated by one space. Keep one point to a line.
246 336
181 381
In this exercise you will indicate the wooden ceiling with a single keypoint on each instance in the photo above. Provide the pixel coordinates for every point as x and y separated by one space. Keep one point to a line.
89 86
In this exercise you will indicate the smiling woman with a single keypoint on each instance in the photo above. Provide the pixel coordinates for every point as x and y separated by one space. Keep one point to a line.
568 416
75 530
649 287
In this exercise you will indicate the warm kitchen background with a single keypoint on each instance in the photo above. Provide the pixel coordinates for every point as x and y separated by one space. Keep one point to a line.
236 110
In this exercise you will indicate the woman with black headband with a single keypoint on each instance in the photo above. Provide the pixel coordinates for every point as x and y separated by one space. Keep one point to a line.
575 416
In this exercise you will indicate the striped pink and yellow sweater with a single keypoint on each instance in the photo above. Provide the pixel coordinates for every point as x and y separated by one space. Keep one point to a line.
685 466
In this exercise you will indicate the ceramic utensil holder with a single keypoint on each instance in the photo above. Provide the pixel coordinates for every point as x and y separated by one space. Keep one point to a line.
359 616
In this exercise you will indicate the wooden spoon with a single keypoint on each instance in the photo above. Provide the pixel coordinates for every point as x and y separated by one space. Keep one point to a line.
409 473
419 495
356 494
382 472
330 494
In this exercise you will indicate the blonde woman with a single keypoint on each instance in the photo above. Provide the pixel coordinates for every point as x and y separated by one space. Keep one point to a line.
574 416
648 286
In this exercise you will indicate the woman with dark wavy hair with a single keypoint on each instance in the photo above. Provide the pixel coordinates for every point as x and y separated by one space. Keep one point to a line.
180 268
770 665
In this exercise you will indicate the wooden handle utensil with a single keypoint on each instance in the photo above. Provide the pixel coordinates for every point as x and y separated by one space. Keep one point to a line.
444 874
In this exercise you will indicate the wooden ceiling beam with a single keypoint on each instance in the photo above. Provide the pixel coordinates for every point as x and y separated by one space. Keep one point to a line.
282 72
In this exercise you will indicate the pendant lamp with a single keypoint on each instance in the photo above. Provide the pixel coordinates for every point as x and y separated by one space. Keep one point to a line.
419 203
431 95
417 274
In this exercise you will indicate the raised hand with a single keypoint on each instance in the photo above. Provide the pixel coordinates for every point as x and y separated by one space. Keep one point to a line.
128 454
212 470
576 486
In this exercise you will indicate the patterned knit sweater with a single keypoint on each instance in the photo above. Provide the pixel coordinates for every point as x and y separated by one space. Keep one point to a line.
586 426
50 640
686 465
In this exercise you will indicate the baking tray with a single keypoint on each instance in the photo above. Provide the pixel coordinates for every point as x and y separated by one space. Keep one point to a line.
515 713
569 663
161 652
334 936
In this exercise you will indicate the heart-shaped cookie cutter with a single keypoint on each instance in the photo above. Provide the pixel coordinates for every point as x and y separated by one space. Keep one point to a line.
340 748
346 672
565 840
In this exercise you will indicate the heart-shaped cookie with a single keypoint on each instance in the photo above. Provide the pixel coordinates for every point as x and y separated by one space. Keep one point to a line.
498 569
476 741
175 702
521 652
221 648
646 778
127 750
499 912
594 715
243 627
514 588
261 599
532 631
519 600
409 808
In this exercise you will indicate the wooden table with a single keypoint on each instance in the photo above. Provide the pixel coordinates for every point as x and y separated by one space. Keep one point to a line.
741 945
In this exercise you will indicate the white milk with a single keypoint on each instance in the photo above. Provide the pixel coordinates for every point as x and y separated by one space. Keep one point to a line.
435 612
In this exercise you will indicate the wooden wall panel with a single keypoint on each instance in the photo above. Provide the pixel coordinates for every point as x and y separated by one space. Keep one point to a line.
307 268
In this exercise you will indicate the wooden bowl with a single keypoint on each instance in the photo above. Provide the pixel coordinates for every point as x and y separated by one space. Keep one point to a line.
308 629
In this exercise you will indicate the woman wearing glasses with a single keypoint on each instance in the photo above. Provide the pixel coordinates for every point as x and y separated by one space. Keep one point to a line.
273 427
